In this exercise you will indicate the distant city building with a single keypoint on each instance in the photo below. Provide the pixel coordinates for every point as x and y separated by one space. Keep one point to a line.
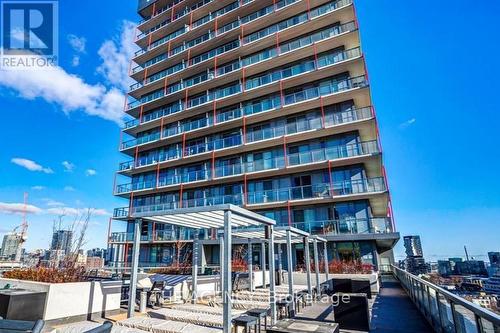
97 252
62 240
95 263
470 267
444 268
494 258
492 285
413 246
415 262
10 244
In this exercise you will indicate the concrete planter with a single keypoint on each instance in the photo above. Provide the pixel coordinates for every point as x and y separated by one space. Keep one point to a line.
73 301
301 278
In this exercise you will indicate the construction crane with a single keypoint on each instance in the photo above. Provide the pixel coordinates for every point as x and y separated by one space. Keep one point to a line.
23 229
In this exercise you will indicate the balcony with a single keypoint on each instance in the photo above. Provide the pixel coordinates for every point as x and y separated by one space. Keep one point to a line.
267 54
306 66
302 18
331 119
295 159
312 93
158 235
374 225
317 191
308 192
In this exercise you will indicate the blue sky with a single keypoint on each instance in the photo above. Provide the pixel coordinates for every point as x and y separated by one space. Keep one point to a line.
434 77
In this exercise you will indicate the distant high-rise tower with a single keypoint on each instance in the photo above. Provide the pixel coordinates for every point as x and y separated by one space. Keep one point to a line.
261 104
413 246
10 245
62 240
415 262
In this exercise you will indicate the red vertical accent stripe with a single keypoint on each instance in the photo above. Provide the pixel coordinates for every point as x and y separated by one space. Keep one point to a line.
140 114
180 195
243 78
282 94
245 189
323 118
244 130
215 112
284 152
213 164
183 144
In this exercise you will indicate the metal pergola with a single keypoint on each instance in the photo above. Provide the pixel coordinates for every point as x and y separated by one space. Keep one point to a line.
225 217
241 224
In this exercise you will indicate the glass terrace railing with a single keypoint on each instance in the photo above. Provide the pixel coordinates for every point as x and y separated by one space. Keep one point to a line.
445 311
374 225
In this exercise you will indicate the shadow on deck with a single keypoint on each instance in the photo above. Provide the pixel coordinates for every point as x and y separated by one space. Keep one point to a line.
392 311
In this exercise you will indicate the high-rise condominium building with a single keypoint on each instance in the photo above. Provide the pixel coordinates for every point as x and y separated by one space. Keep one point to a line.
413 246
260 103
10 246
62 240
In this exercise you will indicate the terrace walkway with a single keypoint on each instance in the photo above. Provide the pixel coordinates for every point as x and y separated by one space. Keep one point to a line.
392 311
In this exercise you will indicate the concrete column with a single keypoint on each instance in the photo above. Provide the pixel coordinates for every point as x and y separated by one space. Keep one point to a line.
134 267
308 265
226 269
280 262
263 263
316 268
290 268
194 271
272 299
250 265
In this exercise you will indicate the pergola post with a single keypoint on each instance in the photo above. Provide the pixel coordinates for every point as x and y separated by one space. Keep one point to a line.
226 273
221 260
290 270
308 265
263 262
325 258
250 265
316 268
272 300
134 267
194 271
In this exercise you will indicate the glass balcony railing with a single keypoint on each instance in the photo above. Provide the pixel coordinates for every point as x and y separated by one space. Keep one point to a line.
253 37
317 191
322 61
161 10
157 235
231 141
375 225
331 119
301 158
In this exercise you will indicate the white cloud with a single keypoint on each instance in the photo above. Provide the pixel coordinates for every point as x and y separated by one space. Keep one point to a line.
407 123
69 188
30 165
90 172
77 211
68 166
52 203
75 61
38 187
116 55
77 43
69 91
18 208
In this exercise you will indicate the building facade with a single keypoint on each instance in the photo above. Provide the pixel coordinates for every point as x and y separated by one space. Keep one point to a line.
62 240
264 104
